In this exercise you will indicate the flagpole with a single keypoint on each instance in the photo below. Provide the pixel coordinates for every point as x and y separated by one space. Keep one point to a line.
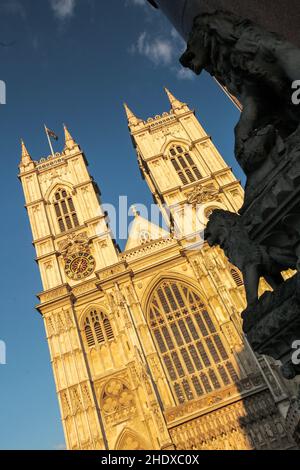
49 140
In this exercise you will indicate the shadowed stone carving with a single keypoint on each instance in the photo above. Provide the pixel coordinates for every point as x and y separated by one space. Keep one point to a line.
254 261
257 67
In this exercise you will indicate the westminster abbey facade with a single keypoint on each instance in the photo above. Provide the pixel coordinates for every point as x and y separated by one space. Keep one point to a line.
146 344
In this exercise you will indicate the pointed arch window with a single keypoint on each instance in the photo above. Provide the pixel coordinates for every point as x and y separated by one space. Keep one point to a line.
237 277
184 165
65 210
191 346
97 328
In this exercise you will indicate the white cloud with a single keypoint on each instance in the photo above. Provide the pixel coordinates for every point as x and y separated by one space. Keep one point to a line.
158 50
63 8
185 74
178 39
163 51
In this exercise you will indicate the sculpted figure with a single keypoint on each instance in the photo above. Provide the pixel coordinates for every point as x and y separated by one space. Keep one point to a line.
256 66
226 229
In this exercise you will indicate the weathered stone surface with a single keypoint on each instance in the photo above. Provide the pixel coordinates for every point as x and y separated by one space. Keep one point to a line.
272 325
293 420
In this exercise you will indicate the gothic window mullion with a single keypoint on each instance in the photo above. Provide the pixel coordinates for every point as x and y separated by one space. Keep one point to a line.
214 378
221 347
213 350
191 323
184 165
61 224
160 340
170 367
159 309
177 334
188 388
197 386
225 378
179 392
170 298
205 382
165 329
196 172
163 301
97 329
227 370
188 378
192 348
195 357
65 211
184 330
188 367
203 354
178 363
208 321
223 374
187 361
232 371
167 337
62 216
200 325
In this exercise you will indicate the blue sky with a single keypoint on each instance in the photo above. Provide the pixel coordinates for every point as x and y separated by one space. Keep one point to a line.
76 61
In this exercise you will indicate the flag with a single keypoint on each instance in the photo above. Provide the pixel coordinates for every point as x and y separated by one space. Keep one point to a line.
51 134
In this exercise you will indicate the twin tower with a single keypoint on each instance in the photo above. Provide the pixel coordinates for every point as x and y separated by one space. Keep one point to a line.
146 344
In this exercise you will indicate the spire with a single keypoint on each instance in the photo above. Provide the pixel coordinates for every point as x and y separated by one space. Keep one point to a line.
25 158
175 103
70 143
132 119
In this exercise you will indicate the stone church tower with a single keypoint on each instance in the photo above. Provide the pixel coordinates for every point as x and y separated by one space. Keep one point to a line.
146 344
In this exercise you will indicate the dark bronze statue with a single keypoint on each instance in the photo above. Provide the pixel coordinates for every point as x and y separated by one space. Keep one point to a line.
227 230
255 66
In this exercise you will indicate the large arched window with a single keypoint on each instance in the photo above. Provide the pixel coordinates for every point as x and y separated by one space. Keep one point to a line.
184 165
65 210
97 328
190 344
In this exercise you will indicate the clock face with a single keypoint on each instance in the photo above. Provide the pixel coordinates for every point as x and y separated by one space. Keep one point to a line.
79 265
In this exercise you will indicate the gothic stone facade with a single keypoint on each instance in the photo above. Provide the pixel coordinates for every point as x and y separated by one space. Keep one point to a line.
146 344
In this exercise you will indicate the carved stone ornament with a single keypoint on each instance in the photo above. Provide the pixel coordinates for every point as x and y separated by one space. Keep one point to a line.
249 424
117 400
74 243
203 194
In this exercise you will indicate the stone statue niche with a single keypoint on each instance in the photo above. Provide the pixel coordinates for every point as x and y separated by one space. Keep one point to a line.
259 69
